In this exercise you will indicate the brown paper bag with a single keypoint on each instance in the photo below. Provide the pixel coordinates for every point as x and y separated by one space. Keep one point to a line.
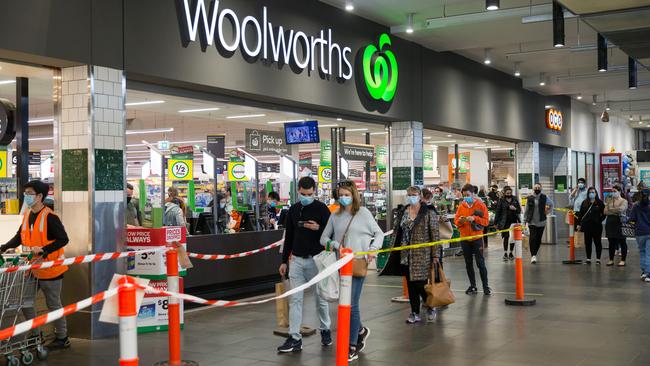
525 242
579 239
183 258
281 307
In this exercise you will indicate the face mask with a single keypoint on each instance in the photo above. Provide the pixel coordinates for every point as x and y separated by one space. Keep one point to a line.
222 205
30 200
469 200
306 201
413 200
592 195
508 195
537 191
345 201
616 194
581 185
436 196
128 199
272 204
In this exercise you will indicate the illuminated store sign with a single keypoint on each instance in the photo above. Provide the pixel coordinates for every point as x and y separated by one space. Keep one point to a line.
554 119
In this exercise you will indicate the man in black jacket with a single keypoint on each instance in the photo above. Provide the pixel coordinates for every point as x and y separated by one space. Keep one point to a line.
538 205
305 223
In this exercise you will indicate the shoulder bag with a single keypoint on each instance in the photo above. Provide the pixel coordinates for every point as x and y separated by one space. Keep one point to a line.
439 293
359 265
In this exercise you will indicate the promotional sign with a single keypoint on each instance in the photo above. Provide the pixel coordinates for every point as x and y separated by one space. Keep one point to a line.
325 174
326 153
152 264
152 316
305 160
217 146
180 169
261 141
428 160
3 163
237 171
34 158
464 165
381 155
358 152
554 120
611 170
7 123
182 152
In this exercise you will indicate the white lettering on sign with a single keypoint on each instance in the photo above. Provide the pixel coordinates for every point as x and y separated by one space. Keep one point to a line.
287 46
173 234
138 237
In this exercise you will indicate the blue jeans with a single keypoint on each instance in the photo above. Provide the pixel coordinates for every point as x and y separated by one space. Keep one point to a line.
355 316
644 252
301 271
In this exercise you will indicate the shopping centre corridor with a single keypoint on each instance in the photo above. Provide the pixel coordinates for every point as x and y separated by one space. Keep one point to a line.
585 315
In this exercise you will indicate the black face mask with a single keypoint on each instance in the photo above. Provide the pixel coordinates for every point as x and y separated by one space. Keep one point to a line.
509 196
128 199
537 191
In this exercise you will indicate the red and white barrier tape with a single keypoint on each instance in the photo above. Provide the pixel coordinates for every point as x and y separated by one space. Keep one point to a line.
78 260
223 303
41 320
216 257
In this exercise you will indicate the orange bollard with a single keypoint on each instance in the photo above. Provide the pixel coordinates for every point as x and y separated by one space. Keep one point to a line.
519 299
128 313
572 246
345 309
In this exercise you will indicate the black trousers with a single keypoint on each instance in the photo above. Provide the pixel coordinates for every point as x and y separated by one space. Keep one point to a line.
473 250
506 239
417 294
485 238
593 235
536 233
615 244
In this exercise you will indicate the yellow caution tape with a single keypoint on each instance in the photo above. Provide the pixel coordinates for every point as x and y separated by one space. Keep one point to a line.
434 243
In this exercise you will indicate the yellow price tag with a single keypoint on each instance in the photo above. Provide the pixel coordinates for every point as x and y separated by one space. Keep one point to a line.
3 164
180 169
325 174
236 171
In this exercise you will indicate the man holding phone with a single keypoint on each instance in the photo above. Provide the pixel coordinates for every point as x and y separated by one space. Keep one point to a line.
305 223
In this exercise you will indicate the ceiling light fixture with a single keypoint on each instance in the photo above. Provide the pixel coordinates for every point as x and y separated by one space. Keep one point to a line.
631 118
450 135
558 25
488 56
199 110
339 119
153 130
247 116
426 138
282 122
40 121
330 125
486 140
607 108
40 138
5 82
356 129
542 78
517 69
378 133
594 99
491 5
579 97
631 73
602 53
144 103
349 5
409 23
442 142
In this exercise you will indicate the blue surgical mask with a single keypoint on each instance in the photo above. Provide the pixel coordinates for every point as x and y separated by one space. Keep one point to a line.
413 200
345 201
222 205
306 201
592 195
30 199
272 204
581 185
469 200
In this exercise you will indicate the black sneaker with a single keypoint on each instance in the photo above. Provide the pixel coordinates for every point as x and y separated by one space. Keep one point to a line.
471 291
291 345
511 256
487 291
353 354
363 336
59 343
505 257
326 337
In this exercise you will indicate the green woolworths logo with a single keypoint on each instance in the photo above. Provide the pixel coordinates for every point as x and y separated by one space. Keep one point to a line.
380 70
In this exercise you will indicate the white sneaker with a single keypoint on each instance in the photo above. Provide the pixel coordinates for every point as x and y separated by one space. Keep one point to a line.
643 276
647 279
533 260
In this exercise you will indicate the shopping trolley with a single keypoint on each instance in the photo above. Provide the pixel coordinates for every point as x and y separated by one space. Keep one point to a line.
18 291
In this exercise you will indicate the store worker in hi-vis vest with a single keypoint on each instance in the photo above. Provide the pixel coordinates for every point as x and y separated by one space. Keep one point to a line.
42 234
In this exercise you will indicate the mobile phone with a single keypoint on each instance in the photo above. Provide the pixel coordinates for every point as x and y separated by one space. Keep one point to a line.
301 223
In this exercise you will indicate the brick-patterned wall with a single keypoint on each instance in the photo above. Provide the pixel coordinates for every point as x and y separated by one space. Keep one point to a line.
406 144
528 157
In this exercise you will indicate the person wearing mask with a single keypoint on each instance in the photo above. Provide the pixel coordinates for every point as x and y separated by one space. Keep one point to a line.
471 218
42 233
481 193
334 205
229 200
578 195
590 222
507 213
640 217
439 199
354 227
415 224
493 195
427 199
174 215
538 205
304 227
615 209
223 218
133 216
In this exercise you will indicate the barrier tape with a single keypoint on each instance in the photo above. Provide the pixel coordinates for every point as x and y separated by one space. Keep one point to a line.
216 257
41 320
223 303
99 257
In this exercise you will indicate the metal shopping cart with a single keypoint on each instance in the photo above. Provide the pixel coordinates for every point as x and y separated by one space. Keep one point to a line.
18 291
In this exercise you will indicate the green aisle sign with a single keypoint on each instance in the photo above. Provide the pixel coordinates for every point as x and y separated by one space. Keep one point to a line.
380 155
428 160
326 153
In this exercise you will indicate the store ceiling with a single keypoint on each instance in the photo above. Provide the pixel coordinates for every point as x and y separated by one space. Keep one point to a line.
464 27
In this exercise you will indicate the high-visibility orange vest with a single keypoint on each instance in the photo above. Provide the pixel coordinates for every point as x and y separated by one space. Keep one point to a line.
36 236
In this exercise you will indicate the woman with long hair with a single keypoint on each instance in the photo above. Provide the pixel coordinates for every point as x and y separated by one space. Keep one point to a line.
590 222
615 209
352 226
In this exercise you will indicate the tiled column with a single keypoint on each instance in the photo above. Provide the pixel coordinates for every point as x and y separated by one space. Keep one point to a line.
90 179
527 164
405 152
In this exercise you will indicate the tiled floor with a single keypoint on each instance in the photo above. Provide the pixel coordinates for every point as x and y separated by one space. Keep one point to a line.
585 316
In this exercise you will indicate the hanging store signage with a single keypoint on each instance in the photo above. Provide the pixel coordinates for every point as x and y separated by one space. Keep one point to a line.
163 145
180 169
428 160
34 158
217 146
554 119
7 123
325 153
380 156
305 160
325 174
3 164
237 171
260 141
182 152
358 152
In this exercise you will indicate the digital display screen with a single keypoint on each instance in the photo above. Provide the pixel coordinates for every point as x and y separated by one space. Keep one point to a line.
301 132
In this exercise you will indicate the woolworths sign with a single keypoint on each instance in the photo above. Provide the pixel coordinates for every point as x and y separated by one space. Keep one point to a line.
259 38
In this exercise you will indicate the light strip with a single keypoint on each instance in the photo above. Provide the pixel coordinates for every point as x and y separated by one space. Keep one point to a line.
153 130
281 122
504 149
379 133
324 126
442 142
471 145
188 142
199 110
246 116
40 138
234 147
41 121
145 103
356 129
5 82
136 145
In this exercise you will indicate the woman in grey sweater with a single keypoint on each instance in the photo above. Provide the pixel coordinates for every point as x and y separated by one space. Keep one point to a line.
354 227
